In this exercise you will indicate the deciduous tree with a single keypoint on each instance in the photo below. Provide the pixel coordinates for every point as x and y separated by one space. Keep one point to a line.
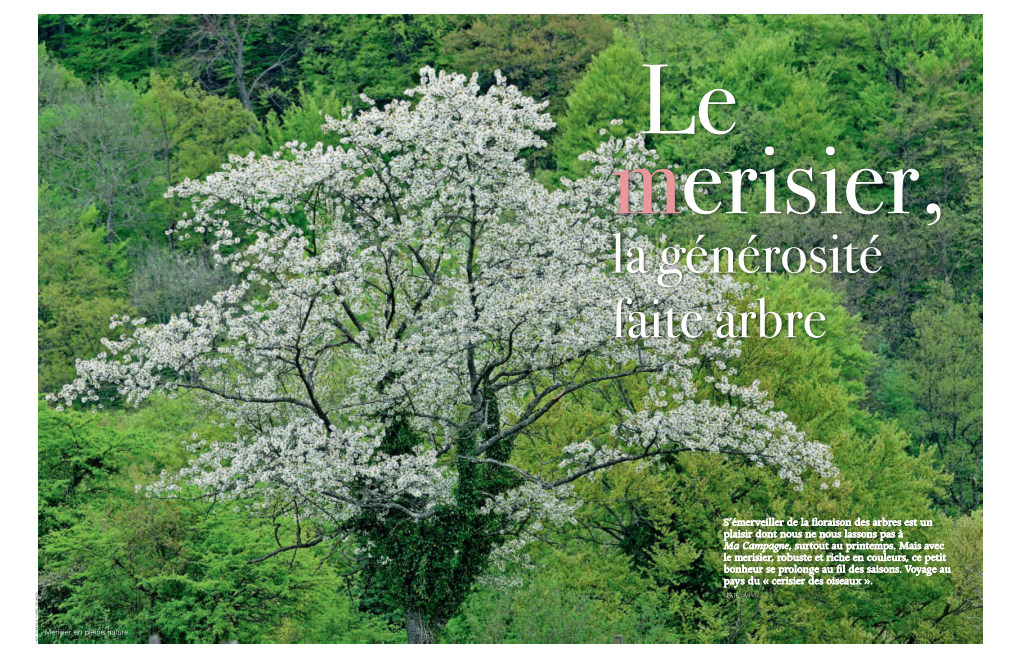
411 306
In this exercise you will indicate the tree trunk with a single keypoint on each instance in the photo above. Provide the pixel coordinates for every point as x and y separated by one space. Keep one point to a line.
110 236
418 630
239 74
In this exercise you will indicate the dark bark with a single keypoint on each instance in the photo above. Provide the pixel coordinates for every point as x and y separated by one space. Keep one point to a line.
419 631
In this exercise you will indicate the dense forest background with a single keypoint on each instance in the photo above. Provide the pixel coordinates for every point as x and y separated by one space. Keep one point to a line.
129 104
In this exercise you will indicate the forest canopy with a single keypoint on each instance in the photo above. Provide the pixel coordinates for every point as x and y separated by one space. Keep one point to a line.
130 106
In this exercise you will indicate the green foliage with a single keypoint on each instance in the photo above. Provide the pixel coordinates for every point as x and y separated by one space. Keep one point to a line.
95 146
110 558
197 131
929 117
194 133
259 67
428 569
77 457
376 55
82 282
566 599
668 522
99 45
302 121
615 87
887 93
542 55
905 426
56 83
944 382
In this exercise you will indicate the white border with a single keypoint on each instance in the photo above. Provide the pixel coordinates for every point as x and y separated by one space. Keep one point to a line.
20 336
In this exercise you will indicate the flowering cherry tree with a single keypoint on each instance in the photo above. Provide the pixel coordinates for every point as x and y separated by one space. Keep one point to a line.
407 306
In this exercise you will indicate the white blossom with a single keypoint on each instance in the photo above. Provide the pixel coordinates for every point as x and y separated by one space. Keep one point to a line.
408 271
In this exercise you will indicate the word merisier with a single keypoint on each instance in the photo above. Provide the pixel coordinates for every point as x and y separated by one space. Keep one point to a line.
801 202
